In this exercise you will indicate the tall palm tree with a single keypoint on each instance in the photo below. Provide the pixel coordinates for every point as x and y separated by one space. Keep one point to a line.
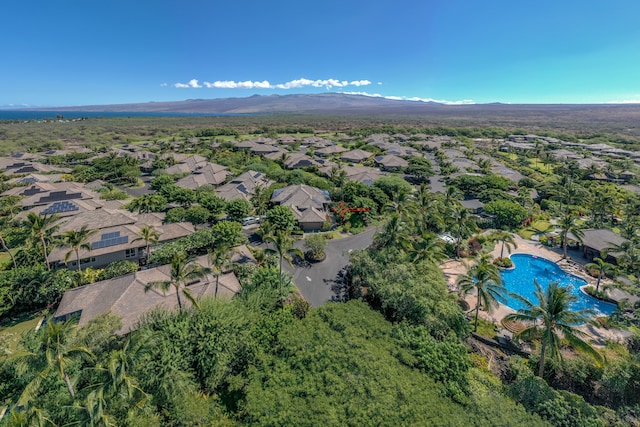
76 240
115 371
149 235
506 239
461 225
183 271
260 199
41 228
601 267
429 208
568 224
283 246
54 353
551 320
220 258
483 278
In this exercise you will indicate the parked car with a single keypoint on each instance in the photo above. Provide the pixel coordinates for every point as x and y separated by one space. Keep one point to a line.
250 220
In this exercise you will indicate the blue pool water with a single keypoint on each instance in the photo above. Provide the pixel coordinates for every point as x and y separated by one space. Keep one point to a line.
528 267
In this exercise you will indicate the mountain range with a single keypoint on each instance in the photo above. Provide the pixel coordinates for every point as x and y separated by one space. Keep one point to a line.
618 118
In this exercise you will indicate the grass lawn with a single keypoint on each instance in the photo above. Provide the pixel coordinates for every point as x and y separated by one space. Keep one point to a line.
536 227
11 332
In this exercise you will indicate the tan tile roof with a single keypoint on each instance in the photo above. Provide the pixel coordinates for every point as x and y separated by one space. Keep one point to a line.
125 296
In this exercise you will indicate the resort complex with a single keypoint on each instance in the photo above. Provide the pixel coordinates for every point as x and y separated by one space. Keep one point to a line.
292 275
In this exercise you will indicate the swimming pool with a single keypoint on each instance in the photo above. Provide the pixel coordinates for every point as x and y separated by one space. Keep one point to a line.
528 267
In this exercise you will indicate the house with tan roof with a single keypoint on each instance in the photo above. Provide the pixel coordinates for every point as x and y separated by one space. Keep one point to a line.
309 204
114 239
356 156
126 297
206 173
299 160
244 185
330 150
391 162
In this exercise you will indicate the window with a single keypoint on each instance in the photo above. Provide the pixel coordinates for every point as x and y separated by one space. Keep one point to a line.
87 260
130 253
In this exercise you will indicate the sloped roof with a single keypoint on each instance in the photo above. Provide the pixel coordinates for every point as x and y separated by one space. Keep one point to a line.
391 161
125 296
600 239
301 197
356 155
243 186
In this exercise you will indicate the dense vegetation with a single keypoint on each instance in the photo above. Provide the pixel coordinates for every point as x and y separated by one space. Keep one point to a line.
397 351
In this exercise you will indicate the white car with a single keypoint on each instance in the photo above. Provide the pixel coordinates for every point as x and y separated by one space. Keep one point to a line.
250 220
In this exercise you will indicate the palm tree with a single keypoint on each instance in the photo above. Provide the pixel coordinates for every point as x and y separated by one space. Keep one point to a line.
183 271
5 248
76 240
149 235
42 227
427 247
601 267
284 248
260 199
568 225
552 320
54 353
461 225
220 258
485 279
29 415
507 241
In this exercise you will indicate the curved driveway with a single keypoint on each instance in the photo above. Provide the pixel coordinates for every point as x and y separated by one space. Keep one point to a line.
315 280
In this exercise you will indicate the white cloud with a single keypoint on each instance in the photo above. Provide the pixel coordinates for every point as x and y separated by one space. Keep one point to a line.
415 98
193 83
626 101
293 84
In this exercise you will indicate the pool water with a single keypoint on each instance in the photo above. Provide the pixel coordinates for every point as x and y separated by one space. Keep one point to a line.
528 267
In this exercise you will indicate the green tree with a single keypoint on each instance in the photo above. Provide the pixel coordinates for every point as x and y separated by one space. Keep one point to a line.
261 198
281 218
483 278
428 247
150 236
183 271
393 186
220 258
506 240
315 245
76 240
238 208
41 228
197 214
507 213
55 351
461 225
148 203
552 321
601 267
283 247
568 224
212 202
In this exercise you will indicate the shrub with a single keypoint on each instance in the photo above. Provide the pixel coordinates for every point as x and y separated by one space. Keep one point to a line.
503 262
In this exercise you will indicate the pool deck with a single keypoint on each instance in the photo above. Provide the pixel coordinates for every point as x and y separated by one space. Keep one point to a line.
455 268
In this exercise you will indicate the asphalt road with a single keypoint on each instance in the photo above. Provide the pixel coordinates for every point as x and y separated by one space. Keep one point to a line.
315 280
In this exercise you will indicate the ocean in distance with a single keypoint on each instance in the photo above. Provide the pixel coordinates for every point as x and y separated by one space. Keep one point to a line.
52 115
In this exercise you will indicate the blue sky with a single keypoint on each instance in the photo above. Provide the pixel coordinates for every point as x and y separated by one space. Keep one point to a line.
457 51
